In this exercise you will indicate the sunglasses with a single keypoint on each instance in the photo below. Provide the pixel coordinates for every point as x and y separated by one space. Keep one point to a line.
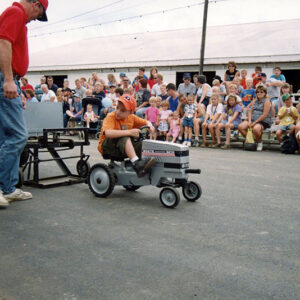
260 92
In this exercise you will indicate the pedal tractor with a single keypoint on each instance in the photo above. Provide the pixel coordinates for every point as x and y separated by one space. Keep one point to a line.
170 171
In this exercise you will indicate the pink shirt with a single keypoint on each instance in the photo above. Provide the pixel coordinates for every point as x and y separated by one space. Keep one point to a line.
152 113
164 114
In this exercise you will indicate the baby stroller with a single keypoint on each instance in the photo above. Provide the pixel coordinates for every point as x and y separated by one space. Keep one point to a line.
95 127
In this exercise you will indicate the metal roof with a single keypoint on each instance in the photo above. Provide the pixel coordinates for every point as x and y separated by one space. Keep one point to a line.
276 41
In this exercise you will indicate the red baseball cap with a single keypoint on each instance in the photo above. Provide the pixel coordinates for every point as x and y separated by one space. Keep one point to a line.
44 3
128 101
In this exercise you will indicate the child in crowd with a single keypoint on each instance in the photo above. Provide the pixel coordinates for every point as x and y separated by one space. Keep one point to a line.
182 101
190 112
163 116
75 111
213 113
247 96
243 78
230 120
232 89
285 89
198 121
117 133
90 116
256 76
277 74
222 92
288 115
164 95
158 102
174 127
151 114
237 82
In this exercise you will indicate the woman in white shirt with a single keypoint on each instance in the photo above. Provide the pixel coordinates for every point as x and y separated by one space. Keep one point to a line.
48 95
204 91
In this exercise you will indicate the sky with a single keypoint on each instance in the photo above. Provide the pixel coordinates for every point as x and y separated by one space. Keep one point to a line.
66 15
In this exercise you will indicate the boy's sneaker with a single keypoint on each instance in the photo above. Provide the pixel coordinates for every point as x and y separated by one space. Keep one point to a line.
259 146
184 143
179 141
142 167
188 144
195 143
18 195
3 202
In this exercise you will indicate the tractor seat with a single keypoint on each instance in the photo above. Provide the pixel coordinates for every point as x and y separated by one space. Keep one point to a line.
113 158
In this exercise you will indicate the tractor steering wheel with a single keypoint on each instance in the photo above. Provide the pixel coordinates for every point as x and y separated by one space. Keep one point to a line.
144 133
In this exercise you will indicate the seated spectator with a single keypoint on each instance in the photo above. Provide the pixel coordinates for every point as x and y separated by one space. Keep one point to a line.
187 87
284 89
48 95
232 89
277 74
198 122
26 85
66 84
129 91
122 76
173 96
204 91
230 120
297 128
151 114
259 117
68 98
231 73
84 83
287 115
153 78
212 116
190 113
142 97
51 85
79 89
195 81
125 83
156 89
243 78
247 95
94 79
164 94
90 116
163 116
99 91
182 102
114 99
75 111
222 90
256 76
237 82
38 88
137 86
30 96
141 74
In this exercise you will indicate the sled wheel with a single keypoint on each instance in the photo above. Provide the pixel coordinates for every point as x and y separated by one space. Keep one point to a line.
191 191
83 168
21 178
101 180
169 197
131 188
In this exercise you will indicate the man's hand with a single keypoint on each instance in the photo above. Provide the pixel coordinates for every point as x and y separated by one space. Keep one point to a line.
134 132
10 89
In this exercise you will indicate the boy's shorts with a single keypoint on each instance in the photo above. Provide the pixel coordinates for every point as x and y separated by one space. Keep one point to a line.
116 147
187 122
285 127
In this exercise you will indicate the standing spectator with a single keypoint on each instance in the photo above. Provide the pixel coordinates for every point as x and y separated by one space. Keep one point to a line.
164 114
142 97
173 96
38 88
48 95
151 114
141 74
152 78
14 61
98 91
247 96
259 117
79 89
187 87
51 85
156 91
30 96
66 84
256 75
26 85
204 91
164 94
174 127
273 86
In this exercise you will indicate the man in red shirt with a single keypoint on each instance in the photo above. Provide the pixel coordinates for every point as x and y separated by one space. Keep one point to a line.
14 61
25 85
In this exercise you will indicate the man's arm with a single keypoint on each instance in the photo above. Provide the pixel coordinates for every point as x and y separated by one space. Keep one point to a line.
10 88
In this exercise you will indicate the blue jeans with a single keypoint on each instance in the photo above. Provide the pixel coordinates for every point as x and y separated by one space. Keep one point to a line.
13 138
141 112
276 101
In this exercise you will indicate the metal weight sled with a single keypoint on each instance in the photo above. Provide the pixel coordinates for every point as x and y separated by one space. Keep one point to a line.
44 123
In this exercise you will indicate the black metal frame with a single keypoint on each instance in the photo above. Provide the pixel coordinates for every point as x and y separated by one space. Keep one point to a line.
53 145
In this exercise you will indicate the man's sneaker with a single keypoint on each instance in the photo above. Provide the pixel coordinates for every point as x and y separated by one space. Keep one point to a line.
195 143
142 167
3 202
259 146
18 195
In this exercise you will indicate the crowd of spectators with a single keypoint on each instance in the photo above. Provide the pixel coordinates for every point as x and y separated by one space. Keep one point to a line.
236 102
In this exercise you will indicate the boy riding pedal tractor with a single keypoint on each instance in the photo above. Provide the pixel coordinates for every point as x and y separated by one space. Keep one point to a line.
118 132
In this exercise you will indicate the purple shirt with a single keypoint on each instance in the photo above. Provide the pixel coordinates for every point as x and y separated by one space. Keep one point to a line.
229 111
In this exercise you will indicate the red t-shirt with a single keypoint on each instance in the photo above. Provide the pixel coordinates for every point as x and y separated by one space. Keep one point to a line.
151 82
27 87
13 29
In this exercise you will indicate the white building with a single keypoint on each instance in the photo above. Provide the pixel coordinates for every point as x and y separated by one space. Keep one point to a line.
267 44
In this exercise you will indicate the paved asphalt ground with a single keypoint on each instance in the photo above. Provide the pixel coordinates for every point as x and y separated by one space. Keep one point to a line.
241 240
